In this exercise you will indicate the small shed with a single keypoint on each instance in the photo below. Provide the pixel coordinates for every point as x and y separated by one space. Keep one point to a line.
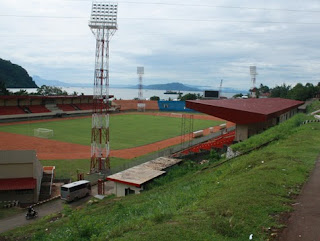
20 176
132 180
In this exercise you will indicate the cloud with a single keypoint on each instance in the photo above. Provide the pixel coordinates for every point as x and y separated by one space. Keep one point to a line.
201 43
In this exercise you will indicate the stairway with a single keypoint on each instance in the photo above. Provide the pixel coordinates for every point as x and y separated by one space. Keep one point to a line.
45 189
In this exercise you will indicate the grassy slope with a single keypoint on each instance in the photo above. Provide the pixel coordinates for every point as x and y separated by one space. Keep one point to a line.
242 197
315 105
127 130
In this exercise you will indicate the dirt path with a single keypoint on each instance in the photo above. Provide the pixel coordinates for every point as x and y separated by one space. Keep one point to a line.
304 222
57 150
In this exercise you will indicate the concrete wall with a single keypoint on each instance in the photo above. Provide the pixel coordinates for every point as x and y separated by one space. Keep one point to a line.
287 115
36 102
119 189
23 196
77 101
16 170
243 132
24 102
61 101
11 103
37 174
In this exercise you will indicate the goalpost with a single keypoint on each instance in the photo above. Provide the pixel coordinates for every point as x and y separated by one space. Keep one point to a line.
43 133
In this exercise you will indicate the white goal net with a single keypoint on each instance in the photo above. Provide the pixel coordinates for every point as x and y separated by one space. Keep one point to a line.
43 133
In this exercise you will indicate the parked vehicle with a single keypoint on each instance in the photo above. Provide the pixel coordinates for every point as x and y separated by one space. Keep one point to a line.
75 190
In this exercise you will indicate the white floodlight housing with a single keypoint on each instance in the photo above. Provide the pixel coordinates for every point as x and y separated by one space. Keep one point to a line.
103 15
140 70
253 70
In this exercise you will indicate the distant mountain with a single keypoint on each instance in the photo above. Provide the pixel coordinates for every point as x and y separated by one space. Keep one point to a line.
170 86
40 81
233 90
14 76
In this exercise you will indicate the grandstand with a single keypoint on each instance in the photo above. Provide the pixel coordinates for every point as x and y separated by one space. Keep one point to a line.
127 105
67 107
16 108
11 110
37 109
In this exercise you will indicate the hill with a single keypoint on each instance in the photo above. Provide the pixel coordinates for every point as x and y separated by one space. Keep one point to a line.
226 200
40 81
14 76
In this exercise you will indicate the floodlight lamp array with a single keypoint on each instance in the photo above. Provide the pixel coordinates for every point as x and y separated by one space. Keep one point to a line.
140 70
103 15
253 70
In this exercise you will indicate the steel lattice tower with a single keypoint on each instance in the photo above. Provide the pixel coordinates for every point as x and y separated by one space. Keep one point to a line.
103 24
141 105
253 73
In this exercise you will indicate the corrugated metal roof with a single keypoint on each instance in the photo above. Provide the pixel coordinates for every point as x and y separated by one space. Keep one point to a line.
244 111
17 183
145 172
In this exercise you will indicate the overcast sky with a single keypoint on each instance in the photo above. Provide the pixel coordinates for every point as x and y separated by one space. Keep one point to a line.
193 42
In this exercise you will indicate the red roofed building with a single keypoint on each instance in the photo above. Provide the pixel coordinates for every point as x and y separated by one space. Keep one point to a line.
20 176
251 116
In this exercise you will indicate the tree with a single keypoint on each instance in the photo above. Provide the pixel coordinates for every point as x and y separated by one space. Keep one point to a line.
155 98
50 90
190 96
237 96
299 92
3 89
21 92
280 91
264 89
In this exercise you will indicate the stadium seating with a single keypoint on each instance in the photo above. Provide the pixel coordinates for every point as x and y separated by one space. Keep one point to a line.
11 110
219 142
38 109
66 107
132 104
84 106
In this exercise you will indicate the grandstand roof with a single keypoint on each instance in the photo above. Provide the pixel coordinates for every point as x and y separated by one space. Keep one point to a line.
244 111
17 183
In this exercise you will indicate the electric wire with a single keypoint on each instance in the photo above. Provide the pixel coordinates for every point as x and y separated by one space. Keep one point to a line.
167 19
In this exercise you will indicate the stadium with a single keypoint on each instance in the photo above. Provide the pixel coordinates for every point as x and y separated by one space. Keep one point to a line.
59 129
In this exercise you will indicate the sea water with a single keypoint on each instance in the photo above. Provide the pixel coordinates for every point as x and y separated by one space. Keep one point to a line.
127 94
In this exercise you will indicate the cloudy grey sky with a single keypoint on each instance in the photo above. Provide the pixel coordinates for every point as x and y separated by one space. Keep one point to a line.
193 42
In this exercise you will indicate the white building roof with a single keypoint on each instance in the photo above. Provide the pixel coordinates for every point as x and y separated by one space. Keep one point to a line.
145 172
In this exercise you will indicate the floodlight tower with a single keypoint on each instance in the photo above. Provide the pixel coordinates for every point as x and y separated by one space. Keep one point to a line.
103 24
253 73
141 105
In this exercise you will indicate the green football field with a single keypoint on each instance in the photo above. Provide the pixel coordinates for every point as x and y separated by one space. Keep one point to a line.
126 131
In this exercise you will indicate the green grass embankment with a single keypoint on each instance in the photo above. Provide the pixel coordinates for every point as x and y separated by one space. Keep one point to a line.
243 196
315 105
126 130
